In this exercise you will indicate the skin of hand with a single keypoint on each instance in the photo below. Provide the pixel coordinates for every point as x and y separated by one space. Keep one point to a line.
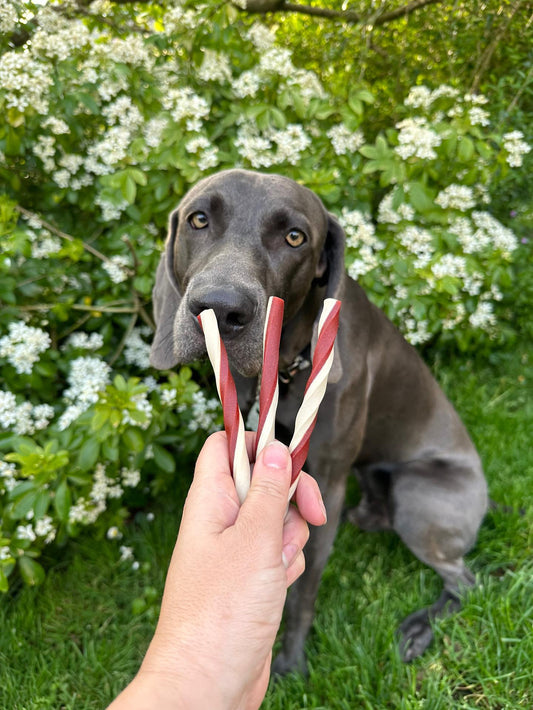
226 585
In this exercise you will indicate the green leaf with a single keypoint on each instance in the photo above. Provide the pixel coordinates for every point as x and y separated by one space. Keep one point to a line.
420 197
133 439
41 504
88 455
163 459
466 149
4 585
62 501
31 571
24 504
129 189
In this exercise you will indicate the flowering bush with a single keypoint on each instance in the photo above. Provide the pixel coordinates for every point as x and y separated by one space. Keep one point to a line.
109 117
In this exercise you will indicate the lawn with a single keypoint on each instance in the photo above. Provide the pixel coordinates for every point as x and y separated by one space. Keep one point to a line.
78 639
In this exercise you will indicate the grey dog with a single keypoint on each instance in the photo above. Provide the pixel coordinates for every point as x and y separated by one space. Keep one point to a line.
239 237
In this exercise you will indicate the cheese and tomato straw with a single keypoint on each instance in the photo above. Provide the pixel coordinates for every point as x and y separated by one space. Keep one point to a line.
315 388
269 392
233 422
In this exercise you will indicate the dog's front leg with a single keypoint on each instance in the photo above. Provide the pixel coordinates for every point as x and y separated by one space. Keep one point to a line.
300 606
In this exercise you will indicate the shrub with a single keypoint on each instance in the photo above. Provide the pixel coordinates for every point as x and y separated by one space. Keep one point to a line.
108 122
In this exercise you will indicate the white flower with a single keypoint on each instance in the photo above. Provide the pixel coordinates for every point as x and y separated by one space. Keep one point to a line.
25 81
126 553
153 131
8 18
276 60
25 532
5 552
168 397
56 125
388 215
261 36
84 341
8 407
196 144
482 317
88 376
23 346
419 242
42 414
417 139
185 103
502 238
141 405
130 477
136 351
204 412
514 144
215 67
449 265
345 141
44 527
123 112
116 268
113 533
45 246
417 331
247 84
478 116
291 142
419 97
458 197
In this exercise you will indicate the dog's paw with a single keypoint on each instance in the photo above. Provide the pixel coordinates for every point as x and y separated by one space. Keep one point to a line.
415 635
283 665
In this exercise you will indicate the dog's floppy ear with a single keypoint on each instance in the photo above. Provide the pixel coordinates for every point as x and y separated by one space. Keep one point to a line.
332 260
333 278
166 300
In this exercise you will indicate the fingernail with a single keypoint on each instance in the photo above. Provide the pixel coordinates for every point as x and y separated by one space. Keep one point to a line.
276 455
288 554
323 508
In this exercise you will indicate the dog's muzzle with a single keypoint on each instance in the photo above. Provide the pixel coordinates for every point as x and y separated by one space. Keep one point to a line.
234 308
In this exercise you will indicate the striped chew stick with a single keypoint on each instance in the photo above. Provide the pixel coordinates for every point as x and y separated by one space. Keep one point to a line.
269 392
233 423
315 388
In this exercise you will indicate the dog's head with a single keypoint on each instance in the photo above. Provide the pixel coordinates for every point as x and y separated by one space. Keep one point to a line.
237 238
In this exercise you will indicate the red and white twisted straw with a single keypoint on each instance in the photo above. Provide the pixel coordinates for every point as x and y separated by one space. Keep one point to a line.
268 397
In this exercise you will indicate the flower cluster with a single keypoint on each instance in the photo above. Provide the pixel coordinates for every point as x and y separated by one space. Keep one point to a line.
24 418
516 148
272 147
88 376
23 346
416 139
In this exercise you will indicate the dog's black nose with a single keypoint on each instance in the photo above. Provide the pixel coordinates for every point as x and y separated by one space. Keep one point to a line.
233 309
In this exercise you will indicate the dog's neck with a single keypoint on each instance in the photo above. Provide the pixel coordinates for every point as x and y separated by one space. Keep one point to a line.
297 333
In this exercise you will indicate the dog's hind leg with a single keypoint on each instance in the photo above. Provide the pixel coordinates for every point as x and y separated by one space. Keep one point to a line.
300 604
438 507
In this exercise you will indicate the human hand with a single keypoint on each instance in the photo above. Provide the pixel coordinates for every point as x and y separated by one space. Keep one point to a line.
227 584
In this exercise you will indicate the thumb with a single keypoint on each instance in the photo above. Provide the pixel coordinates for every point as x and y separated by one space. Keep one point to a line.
266 502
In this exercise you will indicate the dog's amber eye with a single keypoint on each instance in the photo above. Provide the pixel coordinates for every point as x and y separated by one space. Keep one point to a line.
198 220
295 238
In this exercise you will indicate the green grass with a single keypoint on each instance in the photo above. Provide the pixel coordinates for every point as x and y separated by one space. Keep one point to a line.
74 642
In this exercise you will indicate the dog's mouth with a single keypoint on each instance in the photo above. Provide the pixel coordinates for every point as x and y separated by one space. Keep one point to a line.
240 328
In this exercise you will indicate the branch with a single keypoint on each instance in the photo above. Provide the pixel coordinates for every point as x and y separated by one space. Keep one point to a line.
63 235
486 57
261 7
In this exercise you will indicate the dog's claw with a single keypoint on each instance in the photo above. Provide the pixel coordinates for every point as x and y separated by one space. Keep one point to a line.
283 665
415 634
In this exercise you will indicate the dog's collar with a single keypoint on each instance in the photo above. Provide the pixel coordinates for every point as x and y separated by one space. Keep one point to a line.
299 363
